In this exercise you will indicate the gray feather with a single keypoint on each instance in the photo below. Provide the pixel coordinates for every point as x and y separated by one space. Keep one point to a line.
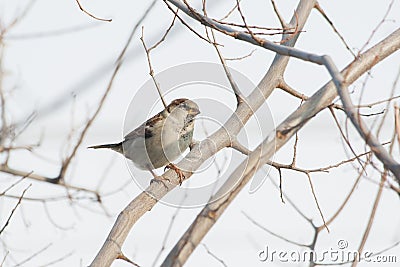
116 147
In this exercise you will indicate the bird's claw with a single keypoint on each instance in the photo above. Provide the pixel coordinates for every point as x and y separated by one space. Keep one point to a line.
160 179
192 144
178 172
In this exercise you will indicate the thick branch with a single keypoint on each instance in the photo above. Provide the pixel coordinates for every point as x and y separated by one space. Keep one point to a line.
380 152
41 178
220 139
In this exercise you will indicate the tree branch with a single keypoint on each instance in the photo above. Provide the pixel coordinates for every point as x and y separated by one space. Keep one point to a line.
220 139
243 173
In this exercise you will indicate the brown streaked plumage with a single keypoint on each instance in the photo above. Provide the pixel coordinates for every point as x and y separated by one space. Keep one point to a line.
162 138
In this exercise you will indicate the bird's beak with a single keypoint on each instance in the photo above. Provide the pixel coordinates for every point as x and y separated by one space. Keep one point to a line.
194 111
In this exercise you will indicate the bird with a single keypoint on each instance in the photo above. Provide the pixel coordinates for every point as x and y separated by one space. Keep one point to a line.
161 139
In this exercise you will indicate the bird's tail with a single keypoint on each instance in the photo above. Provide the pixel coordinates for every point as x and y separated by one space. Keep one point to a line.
116 147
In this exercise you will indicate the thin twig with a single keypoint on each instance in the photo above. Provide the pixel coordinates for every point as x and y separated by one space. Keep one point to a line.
296 140
372 216
280 185
279 15
14 184
151 71
346 200
41 178
249 31
344 136
214 256
134 29
291 202
184 23
34 255
242 57
168 232
4 259
69 254
121 256
388 102
272 233
242 149
91 15
316 201
322 12
376 28
146 200
166 32
352 113
397 122
253 26
291 34
238 94
230 11
68 160
14 209
288 89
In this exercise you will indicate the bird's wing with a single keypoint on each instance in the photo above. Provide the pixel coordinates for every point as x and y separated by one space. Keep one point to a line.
146 129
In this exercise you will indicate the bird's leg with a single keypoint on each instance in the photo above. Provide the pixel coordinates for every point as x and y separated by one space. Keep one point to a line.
158 179
178 171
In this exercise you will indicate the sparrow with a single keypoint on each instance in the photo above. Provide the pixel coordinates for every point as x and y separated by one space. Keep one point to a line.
161 139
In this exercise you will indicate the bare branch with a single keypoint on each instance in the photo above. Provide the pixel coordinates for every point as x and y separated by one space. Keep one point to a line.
272 233
214 256
291 202
372 216
151 71
34 255
320 100
184 23
14 184
244 21
69 254
243 173
171 222
239 147
239 96
89 14
296 140
343 134
388 102
322 12
166 32
377 27
4 259
68 160
316 201
364 132
346 200
242 57
14 209
288 89
280 17
17 19
231 11
37 177
134 29
397 121
124 258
